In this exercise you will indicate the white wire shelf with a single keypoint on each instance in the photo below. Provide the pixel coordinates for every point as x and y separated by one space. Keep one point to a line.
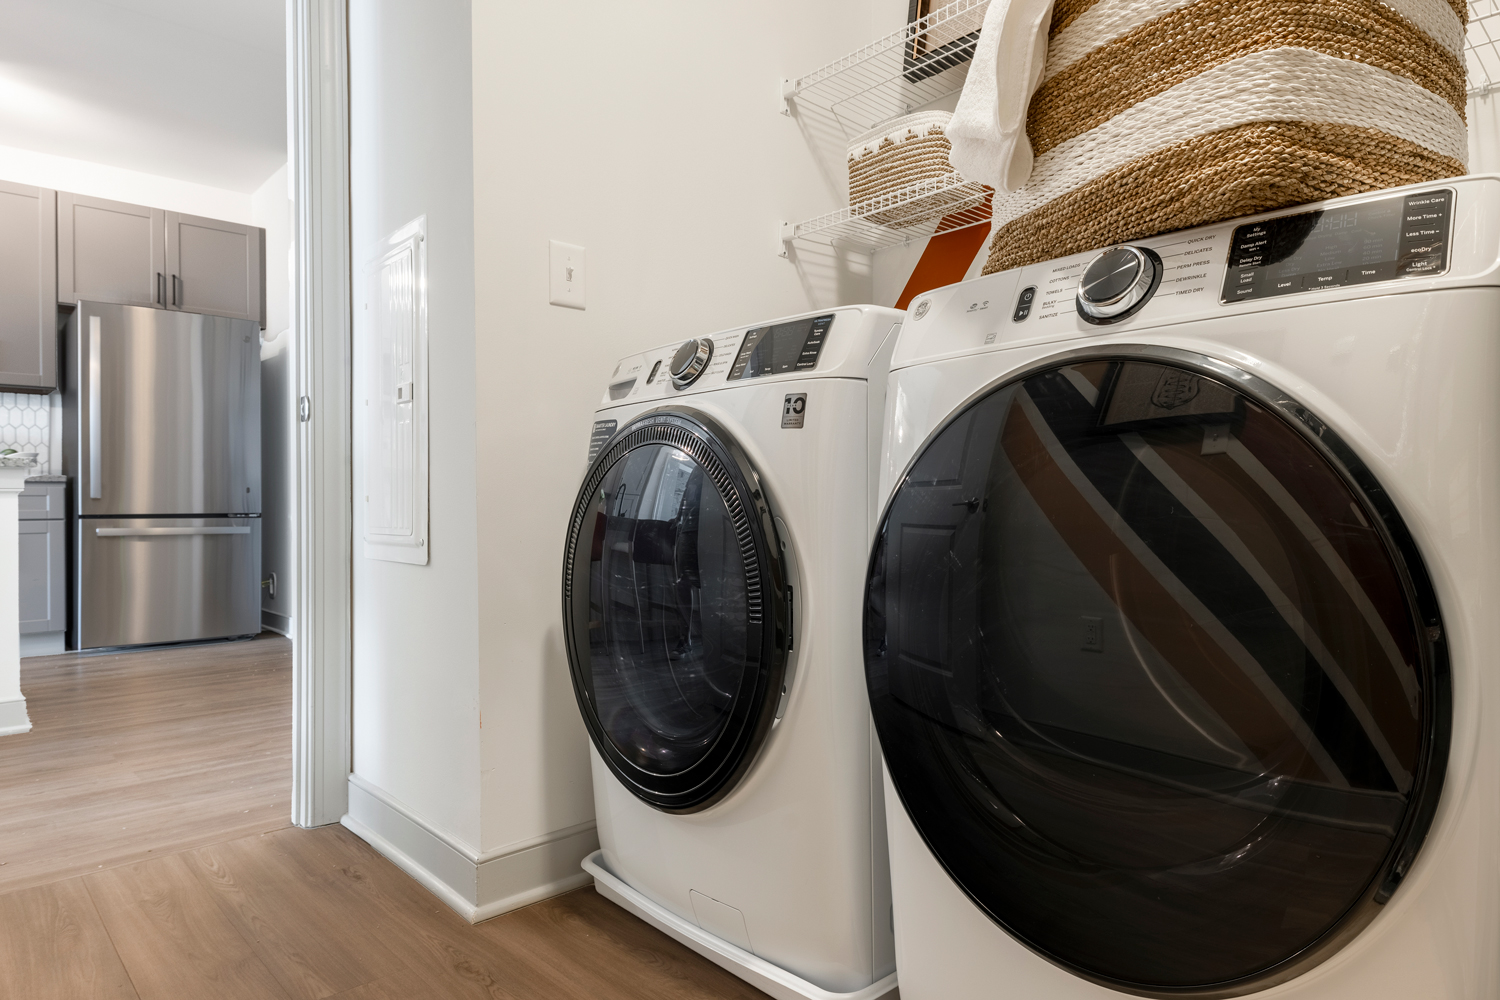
1482 47
928 60
943 204
923 62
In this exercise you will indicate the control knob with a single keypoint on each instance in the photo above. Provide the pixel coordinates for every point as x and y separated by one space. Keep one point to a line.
690 360
1117 283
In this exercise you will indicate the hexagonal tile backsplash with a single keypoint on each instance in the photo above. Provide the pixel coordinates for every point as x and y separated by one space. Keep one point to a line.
24 426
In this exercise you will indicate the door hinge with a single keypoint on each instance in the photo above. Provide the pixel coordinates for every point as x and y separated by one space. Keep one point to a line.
304 409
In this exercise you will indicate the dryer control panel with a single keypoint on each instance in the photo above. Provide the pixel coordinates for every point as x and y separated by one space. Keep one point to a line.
1398 237
1418 238
840 342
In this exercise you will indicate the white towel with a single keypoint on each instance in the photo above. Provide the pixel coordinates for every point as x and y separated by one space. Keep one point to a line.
988 130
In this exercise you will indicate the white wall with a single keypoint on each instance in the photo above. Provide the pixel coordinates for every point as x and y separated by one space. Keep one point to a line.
1484 134
416 686
271 209
23 166
651 136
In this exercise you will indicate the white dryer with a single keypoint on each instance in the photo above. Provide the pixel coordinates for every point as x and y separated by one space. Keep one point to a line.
712 596
1180 623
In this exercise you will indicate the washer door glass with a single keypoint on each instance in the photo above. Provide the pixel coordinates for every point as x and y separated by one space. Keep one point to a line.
666 627
1150 677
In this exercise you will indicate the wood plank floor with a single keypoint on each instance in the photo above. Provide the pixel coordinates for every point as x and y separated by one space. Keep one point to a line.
136 754
145 855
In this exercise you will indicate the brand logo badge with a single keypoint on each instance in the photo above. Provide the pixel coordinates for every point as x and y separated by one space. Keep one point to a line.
922 308
794 410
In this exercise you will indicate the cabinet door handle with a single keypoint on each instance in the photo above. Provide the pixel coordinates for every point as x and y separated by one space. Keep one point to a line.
96 418
176 298
152 532
161 290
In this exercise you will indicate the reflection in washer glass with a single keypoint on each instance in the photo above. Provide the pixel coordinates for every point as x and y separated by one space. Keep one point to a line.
1145 674
667 611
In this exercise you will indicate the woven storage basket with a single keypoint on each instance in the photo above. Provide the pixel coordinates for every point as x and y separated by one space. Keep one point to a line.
1155 115
894 157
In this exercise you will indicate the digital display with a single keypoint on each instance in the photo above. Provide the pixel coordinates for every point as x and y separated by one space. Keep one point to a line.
786 347
1397 237
1333 222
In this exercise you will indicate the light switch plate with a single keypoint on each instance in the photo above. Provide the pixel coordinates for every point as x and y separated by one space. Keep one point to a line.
567 275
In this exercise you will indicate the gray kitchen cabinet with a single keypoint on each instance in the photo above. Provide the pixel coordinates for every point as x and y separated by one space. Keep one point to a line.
108 251
216 267
28 288
43 557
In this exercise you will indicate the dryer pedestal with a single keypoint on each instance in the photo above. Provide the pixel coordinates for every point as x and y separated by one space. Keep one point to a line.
768 978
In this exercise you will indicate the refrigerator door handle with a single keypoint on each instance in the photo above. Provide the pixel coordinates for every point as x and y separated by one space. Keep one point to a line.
96 418
138 532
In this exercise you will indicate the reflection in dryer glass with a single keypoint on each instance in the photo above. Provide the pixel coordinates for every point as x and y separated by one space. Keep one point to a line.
667 611
1145 674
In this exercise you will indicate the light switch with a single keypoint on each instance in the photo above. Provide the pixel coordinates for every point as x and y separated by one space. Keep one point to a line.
567 275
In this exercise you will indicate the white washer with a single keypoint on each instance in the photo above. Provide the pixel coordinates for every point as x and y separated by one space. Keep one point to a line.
711 596
1181 626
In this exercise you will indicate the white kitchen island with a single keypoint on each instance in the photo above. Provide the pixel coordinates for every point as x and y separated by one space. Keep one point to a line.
13 717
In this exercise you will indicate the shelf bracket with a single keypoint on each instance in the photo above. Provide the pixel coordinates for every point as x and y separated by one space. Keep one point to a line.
788 233
788 91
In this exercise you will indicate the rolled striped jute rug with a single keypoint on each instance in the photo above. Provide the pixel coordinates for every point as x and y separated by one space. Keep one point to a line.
1156 115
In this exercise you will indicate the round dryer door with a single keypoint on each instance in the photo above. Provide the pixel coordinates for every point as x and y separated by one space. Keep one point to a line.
1157 672
675 609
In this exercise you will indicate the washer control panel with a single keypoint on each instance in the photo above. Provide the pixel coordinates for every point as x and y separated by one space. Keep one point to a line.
785 347
1403 236
690 361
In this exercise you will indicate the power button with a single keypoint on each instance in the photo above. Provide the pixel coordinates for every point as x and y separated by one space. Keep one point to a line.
1023 304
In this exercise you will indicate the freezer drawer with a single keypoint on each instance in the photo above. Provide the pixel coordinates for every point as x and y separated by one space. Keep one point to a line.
148 580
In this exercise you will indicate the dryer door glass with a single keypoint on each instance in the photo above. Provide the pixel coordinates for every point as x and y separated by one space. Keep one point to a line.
1158 678
667 620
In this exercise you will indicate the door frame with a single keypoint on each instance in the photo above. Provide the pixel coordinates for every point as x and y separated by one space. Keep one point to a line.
322 628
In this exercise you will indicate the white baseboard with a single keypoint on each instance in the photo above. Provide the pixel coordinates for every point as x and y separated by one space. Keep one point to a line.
275 621
43 643
477 886
13 717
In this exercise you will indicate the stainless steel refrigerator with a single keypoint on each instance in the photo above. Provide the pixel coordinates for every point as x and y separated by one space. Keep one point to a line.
161 441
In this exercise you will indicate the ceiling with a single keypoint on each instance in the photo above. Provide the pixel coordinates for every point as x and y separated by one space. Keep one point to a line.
189 89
